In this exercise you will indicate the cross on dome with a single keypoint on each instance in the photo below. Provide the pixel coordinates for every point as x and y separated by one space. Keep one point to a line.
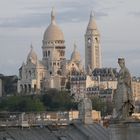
53 16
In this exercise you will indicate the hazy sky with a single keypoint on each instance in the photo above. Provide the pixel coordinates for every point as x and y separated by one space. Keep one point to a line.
23 22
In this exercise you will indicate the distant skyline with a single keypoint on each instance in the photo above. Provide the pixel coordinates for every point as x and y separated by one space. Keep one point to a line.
23 22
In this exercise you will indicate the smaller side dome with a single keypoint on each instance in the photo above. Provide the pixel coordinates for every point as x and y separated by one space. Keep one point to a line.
32 56
75 56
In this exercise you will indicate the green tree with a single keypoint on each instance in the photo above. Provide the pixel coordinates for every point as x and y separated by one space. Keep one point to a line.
106 107
21 104
58 100
98 104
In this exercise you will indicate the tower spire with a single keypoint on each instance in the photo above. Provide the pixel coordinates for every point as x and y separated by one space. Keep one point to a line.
92 23
92 14
31 46
53 16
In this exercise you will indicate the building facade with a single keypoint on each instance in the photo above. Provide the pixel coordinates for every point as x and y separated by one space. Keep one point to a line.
54 69
136 88
102 82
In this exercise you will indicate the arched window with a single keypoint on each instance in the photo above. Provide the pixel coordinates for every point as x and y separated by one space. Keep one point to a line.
96 39
59 72
21 88
30 73
29 87
35 87
25 88
48 53
62 53
89 40
44 54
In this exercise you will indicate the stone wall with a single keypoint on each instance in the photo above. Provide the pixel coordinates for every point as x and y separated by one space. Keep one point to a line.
125 131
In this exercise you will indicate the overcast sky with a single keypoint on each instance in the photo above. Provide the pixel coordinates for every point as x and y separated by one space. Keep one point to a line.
23 22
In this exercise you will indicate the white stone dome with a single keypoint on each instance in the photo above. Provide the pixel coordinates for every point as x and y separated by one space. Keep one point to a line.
75 56
32 56
53 32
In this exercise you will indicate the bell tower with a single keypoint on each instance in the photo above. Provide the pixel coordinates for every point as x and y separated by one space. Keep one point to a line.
92 45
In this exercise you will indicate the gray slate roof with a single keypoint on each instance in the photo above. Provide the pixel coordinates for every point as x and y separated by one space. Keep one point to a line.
74 131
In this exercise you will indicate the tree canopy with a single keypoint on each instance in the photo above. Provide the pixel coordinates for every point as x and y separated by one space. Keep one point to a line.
106 107
52 100
21 104
58 100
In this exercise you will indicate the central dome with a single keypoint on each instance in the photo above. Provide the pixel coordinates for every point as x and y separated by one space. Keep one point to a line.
53 32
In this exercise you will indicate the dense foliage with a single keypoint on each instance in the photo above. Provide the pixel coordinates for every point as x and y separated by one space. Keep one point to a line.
9 84
105 106
56 100
51 100
21 104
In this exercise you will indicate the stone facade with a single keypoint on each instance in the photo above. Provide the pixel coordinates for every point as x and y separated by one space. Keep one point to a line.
136 88
125 131
79 85
136 92
102 82
54 69
85 110
31 74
